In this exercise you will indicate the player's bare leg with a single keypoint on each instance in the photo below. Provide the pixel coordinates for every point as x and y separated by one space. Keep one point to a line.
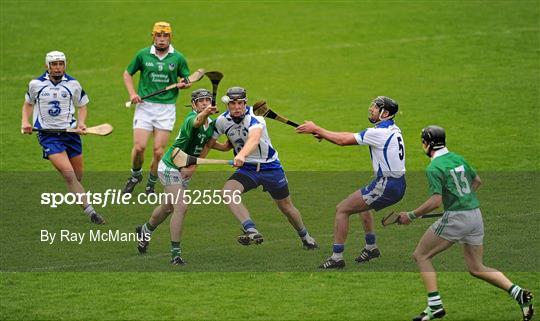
63 164
354 203
251 235
295 218
161 137
78 166
473 255
429 246
239 210
140 140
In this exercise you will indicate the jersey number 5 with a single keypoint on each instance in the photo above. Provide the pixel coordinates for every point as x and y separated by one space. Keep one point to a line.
401 149
465 189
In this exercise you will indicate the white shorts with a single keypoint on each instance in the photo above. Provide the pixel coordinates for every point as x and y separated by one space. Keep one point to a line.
461 226
170 175
151 115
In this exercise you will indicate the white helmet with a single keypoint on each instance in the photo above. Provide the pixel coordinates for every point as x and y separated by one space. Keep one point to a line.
55 56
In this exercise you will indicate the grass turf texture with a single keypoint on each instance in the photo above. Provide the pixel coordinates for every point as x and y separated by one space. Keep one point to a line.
471 67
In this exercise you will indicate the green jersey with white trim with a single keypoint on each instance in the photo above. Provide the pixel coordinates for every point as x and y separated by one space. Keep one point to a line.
190 140
157 73
451 176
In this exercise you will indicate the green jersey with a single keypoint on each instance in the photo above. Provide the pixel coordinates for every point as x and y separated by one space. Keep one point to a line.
158 73
451 176
191 140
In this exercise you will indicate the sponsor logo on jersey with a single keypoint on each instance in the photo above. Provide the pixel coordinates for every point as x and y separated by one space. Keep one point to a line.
171 67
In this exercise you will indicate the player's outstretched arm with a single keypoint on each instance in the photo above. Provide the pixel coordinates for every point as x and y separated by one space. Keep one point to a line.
203 116
338 138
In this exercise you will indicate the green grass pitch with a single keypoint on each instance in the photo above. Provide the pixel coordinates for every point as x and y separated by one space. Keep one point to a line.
469 66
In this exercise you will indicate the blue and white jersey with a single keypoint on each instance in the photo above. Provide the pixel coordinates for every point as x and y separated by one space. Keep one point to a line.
386 148
264 154
54 105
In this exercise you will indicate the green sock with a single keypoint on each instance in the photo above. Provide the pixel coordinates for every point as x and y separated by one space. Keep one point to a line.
434 300
175 249
148 228
152 179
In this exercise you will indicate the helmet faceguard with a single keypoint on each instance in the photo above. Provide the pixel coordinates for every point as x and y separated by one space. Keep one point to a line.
385 103
197 95
55 56
235 94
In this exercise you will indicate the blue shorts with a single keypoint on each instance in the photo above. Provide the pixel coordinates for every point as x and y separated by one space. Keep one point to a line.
383 192
273 181
57 143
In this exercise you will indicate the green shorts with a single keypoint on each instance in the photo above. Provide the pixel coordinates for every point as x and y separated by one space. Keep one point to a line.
461 226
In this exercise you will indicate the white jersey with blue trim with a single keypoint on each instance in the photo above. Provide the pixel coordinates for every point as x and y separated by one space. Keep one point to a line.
54 105
264 154
386 148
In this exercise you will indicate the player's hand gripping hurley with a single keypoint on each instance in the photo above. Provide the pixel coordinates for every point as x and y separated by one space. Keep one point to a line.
393 218
181 159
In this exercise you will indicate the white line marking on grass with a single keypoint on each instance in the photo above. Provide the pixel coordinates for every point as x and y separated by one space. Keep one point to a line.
296 50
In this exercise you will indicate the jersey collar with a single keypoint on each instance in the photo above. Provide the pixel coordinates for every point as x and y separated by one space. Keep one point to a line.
385 123
439 152
153 51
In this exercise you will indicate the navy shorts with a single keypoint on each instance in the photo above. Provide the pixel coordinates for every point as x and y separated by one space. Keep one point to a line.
383 192
54 143
273 181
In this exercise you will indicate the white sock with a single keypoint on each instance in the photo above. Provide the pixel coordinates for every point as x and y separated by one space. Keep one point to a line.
89 210
337 256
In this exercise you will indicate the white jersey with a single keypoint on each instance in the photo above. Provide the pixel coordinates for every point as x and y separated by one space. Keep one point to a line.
54 105
386 148
265 154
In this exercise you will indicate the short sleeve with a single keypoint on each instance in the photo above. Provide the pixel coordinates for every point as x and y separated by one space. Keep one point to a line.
135 64
435 181
256 122
368 137
183 68
30 96
80 98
